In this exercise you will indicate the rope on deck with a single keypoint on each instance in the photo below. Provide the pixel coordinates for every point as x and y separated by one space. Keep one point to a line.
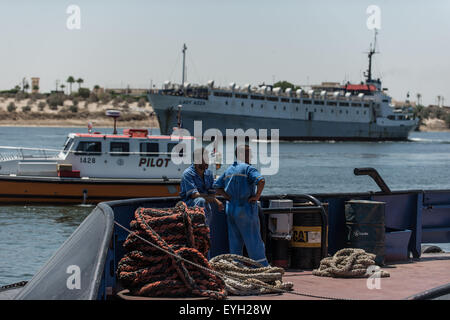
146 270
244 276
348 263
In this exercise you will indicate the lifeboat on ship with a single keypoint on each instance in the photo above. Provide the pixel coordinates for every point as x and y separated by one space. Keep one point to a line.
93 167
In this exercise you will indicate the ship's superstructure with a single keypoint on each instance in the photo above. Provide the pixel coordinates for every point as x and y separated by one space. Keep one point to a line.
340 112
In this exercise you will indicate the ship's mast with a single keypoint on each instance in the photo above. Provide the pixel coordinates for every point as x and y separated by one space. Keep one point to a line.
370 54
184 61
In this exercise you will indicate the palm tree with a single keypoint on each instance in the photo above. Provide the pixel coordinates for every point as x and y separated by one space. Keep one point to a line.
62 87
70 80
79 81
419 96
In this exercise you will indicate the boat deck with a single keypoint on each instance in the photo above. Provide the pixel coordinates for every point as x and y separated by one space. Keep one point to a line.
406 279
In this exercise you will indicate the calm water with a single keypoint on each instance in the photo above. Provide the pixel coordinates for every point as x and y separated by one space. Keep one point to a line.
29 235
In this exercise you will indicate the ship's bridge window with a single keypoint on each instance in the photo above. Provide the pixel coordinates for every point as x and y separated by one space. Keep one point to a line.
241 96
272 98
119 149
307 101
149 149
343 104
385 100
257 97
366 105
318 102
284 100
331 103
295 101
356 104
391 117
89 148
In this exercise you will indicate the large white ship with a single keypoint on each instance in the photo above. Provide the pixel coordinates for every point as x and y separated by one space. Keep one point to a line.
328 112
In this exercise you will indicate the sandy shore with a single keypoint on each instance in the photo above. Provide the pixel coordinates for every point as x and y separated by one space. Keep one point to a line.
434 125
41 115
132 115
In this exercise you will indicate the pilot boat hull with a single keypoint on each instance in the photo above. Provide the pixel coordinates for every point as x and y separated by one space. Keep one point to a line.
57 190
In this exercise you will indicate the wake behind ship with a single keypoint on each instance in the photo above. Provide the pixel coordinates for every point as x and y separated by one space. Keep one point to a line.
328 112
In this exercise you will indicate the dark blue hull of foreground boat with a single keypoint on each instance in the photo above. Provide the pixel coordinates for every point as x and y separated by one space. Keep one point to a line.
93 251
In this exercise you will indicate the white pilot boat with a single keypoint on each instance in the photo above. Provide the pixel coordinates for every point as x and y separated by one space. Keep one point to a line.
92 167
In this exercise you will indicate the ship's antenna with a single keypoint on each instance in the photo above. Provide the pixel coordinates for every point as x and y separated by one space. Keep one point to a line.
184 62
371 52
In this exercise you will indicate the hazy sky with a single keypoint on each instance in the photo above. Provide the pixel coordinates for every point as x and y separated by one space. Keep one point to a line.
132 43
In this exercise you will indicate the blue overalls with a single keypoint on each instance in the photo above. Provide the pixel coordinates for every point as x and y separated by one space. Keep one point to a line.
239 182
191 182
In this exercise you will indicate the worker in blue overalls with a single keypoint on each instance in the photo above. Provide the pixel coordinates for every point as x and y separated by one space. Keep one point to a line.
237 185
197 185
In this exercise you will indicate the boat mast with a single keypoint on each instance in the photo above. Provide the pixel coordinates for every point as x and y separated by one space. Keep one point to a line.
370 54
184 61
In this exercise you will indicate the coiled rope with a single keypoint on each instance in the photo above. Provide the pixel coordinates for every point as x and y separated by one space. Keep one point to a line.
348 263
244 276
218 274
181 231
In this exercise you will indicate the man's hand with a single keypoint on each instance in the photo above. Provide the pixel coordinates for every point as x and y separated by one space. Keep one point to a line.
221 192
219 205
259 190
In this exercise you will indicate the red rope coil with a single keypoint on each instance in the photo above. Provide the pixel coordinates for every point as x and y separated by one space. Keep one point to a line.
148 271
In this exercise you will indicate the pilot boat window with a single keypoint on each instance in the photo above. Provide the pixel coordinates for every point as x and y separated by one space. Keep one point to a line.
89 148
170 146
119 149
67 145
150 149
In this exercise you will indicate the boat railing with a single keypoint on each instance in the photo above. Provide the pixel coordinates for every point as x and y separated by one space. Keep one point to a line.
8 153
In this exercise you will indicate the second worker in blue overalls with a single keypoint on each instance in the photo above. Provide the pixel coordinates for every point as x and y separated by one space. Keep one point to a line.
237 184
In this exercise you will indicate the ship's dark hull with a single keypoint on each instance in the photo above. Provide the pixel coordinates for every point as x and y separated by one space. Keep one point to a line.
289 129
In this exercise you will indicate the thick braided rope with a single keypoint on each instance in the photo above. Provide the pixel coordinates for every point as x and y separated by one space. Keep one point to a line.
347 263
248 277
181 232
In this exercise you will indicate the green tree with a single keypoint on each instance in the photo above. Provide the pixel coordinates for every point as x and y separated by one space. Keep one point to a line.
84 93
11 107
70 80
79 81
284 85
